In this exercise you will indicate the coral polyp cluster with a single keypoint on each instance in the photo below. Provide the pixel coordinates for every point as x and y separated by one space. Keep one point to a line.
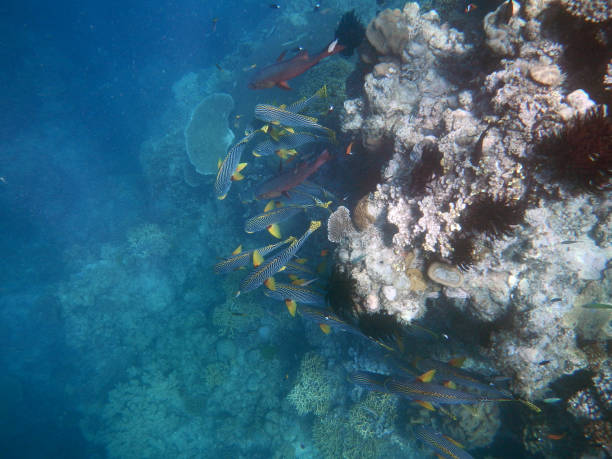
579 154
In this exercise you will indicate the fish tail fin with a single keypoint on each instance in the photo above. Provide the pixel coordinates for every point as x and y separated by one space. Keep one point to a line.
237 250
427 376
275 231
269 206
325 328
322 93
426 405
258 258
270 283
314 225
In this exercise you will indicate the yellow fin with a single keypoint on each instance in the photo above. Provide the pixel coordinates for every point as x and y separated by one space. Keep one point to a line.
322 92
301 261
221 197
237 176
256 154
269 206
293 277
219 162
290 130
241 166
426 405
265 128
257 258
237 250
275 231
427 376
275 123
282 106
270 283
450 385
291 306
325 328
314 225
457 362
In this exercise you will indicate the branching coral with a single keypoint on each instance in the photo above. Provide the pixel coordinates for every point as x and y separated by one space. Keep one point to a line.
313 391
374 417
589 10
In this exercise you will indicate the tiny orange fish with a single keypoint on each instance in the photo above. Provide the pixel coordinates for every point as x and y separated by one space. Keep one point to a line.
555 436
471 7
324 252
349 149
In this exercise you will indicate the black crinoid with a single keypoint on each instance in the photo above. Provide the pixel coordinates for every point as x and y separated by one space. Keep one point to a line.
579 155
340 294
463 255
493 216
350 32
427 165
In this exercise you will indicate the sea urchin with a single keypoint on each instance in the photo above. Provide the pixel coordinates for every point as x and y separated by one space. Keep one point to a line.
580 154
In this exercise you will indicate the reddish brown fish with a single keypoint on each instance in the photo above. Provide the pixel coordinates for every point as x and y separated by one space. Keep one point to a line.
283 183
281 71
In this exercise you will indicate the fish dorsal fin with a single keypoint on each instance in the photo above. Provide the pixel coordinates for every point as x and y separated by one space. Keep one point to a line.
241 166
291 306
269 206
325 328
281 56
270 283
454 442
426 405
237 250
275 231
265 128
258 258
283 85
457 362
427 376
450 385
322 93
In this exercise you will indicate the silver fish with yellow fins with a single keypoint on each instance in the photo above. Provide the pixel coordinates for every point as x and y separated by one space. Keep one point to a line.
243 258
270 218
276 115
303 104
293 294
443 445
264 273
230 168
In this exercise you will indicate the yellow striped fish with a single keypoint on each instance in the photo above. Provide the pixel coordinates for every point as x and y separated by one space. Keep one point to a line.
275 115
293 294
301 105
268 269
229 169
241 258
443 446
269 220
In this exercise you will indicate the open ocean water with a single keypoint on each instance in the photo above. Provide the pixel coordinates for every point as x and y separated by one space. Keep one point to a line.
137 319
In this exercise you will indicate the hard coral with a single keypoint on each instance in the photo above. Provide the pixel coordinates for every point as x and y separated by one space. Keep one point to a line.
580 154
588 10
428 166
493 216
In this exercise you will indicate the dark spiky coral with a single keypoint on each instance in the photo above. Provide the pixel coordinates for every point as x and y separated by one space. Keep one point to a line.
493 216
427 167
579 155
340 294
350 32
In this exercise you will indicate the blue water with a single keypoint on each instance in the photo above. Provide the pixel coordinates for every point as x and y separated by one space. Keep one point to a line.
116 338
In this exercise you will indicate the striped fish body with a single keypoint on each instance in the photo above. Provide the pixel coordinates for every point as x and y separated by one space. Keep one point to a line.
272 114
432 393
244 258
229 165
370 381
447 372
440 444
325 317
302 105
296 293
269 269
262 221
296 268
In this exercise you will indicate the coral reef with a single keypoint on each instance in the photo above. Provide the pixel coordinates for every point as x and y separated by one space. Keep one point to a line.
339 225
207 135
461 187
314 390
475 426
589 10
374 416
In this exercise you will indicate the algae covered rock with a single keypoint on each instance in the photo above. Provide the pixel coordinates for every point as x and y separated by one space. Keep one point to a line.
207 135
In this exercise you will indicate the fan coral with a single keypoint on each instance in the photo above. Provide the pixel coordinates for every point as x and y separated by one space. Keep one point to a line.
589 10
350 32
493 216
339 225
580 154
